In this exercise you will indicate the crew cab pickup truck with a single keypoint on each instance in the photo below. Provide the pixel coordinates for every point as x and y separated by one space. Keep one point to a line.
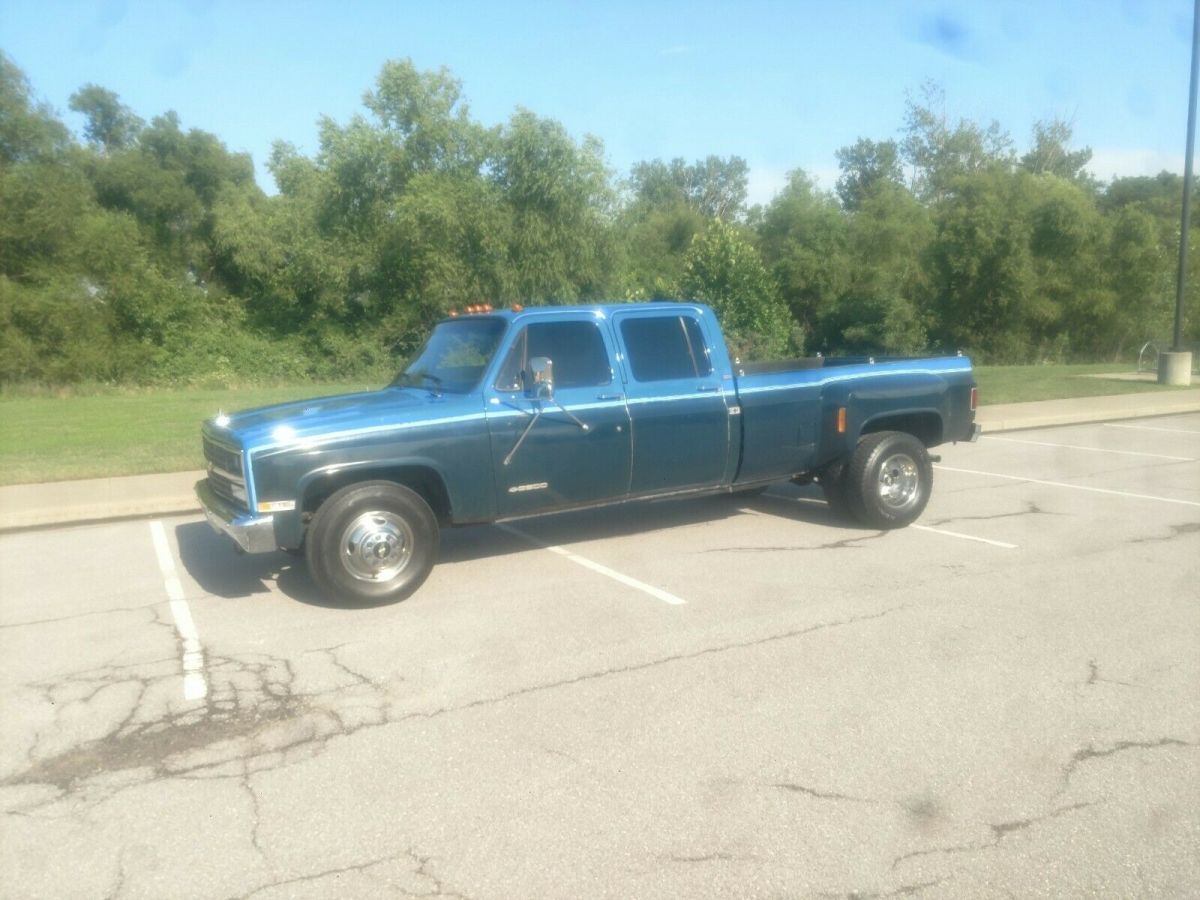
517 412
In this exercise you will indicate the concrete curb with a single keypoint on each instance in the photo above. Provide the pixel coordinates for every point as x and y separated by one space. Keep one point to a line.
26 506
1080 411
97 500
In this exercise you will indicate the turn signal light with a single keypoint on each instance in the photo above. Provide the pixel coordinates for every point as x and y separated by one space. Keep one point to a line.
841 420
974 397
517 307
453 313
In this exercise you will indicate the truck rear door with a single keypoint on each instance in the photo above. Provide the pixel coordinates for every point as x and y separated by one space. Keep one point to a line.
678 403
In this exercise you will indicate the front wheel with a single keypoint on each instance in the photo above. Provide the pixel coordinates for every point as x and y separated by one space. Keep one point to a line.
374 542
889 479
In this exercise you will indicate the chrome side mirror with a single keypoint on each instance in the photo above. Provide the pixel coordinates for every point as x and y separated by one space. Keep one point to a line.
539 378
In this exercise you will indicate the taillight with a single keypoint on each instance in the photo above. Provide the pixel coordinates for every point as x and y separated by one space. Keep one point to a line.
974 398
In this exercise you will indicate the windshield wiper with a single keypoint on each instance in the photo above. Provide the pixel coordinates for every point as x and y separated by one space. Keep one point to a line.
420 378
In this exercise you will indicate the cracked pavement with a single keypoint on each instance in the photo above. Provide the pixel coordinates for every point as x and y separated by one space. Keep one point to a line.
922 716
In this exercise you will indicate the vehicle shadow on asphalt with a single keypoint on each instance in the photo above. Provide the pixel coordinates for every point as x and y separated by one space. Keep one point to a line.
218 568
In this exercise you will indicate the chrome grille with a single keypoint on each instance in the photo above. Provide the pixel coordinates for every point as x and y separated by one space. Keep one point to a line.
225 475
225 458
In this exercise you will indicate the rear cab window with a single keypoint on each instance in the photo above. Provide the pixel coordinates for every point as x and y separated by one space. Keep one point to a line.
665 348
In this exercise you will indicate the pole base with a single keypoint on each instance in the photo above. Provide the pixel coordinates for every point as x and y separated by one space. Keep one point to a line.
1175 367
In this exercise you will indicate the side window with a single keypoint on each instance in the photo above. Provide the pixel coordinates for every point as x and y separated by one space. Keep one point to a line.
576 349
665 347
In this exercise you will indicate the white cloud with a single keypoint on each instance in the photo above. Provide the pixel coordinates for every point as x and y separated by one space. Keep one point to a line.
1112 162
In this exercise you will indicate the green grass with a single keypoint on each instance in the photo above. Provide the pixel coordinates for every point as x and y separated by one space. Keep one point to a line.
1018 384
53 435
97 432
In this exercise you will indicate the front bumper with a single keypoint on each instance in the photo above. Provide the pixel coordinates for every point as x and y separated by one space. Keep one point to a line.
254 534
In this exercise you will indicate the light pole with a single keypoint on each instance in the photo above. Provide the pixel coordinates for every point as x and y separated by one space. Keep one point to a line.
1175 367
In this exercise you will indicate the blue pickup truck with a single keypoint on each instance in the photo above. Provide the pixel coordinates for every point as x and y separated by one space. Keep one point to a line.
516 412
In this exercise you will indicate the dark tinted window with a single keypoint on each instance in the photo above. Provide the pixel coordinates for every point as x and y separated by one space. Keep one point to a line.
665 347
576 349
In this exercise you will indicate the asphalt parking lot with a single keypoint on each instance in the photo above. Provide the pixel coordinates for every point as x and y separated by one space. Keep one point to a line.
712 697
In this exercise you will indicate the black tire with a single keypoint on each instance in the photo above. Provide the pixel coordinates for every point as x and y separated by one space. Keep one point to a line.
833 486
372 543
888 480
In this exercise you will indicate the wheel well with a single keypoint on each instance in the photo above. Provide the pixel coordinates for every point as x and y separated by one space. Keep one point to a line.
924 426
422 480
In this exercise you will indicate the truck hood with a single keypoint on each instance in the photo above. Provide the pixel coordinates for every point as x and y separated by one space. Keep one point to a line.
286 423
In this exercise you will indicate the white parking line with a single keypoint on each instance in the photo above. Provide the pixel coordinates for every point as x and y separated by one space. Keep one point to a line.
956 534
1091 449
195 686
1151 428
1074 487
597 567
965 537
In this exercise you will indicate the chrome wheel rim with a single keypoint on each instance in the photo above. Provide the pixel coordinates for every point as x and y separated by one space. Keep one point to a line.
377 546
899 482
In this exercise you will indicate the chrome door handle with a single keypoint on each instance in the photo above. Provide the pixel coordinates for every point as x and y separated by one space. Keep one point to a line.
706 388
610 396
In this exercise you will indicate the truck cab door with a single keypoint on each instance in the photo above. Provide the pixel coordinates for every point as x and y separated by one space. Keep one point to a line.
574 444
680 405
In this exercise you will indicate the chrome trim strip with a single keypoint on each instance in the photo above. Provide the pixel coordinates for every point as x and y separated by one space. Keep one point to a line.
319 440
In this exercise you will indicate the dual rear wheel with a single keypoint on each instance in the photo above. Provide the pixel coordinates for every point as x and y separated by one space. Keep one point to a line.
885 484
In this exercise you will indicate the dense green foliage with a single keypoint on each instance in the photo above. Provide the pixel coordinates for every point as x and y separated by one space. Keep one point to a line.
146 253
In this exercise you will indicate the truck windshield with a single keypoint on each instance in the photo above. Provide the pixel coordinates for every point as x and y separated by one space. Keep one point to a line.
454 357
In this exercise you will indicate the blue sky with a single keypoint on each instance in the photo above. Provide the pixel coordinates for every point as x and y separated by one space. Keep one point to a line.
782 84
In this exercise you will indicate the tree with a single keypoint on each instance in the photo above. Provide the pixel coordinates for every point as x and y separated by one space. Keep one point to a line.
1050 154
427 119
110 124
1139 273
715 188
725 271
803 237
559 197
940 152
982 268
28 129
864 165
654 249
421 124
1074 308
886 303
